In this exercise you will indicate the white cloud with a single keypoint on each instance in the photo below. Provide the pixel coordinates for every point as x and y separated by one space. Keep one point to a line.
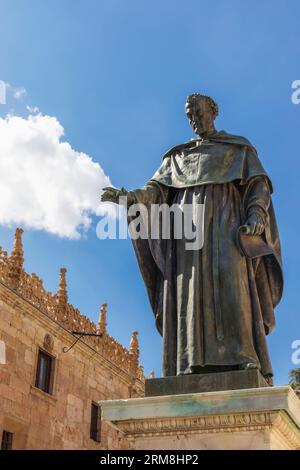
7 90
44 183
19 93
32 109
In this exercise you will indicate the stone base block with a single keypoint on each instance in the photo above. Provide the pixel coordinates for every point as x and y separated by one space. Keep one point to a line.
265 418
194 383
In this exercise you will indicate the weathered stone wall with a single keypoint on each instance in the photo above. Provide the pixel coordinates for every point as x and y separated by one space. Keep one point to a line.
94 369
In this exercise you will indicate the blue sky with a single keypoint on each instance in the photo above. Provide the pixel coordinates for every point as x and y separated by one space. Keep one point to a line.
116 74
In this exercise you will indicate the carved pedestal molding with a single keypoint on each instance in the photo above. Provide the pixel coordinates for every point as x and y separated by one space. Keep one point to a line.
265 418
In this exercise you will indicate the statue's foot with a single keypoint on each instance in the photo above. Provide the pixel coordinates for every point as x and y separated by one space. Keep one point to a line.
269 380
249 365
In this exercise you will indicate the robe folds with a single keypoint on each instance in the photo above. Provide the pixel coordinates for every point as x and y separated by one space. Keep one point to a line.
213 306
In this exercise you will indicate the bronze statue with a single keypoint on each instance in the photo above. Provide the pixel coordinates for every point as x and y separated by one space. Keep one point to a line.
214 306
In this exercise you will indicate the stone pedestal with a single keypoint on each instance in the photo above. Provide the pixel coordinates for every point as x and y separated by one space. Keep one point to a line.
258 418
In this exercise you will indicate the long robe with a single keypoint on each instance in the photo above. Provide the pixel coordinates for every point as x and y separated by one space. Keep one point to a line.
213 306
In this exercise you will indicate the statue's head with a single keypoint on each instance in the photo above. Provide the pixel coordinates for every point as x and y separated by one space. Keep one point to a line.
201 111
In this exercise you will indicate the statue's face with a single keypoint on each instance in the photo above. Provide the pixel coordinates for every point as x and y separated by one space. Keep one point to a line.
200 115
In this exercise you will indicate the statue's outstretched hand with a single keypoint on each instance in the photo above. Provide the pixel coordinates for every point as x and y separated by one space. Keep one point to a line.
109 194
255 224
113 194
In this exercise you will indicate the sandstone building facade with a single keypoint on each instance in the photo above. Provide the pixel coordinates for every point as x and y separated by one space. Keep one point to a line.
51 379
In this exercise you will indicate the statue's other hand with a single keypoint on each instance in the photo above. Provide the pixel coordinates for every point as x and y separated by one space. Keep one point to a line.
110 194
256 224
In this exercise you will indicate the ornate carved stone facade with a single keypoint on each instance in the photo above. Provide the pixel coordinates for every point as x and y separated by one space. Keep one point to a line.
95 368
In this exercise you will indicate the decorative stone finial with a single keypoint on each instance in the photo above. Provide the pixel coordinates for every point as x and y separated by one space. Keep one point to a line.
16 260
3 257
152 375
134 352
102 323
62 293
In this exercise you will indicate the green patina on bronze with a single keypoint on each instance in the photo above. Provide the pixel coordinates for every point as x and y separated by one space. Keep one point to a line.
219 158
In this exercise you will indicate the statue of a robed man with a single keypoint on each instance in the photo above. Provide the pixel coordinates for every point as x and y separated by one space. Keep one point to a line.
213 306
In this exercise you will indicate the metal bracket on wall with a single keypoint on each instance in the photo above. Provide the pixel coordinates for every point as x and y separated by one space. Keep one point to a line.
80 334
